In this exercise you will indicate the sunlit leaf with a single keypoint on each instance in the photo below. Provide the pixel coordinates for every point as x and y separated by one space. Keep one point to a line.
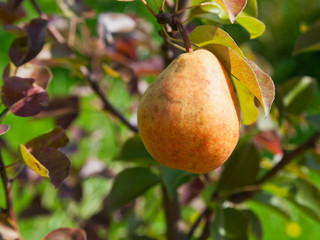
173 178
23 97
251 9
32 162
266 86
209 34
66 234
309 41
133 150
129 184
23 49
231 7
299 93
254 26
249 111
241 169
230 224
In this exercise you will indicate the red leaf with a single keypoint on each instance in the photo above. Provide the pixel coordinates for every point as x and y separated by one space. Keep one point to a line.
4 129
66 234
23 49
23 97
54 139
9 15
232 7
269 141
57 164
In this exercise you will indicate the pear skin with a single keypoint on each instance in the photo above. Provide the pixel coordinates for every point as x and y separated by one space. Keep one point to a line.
188 118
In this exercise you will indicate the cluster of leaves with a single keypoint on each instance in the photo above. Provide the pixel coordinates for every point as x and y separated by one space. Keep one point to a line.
112 187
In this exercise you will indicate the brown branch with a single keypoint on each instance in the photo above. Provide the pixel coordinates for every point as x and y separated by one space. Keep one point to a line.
107 106
198 221
8 195
172 215
206 230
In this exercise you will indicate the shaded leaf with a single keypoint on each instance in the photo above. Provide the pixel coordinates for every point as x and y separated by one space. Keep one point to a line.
306 198
134 150
47 162
254 223
254 26
314 120
173 178
9 15
231 7
23 97
309 41
241 169
64 109
230 224
57 164
273 203
25 48
249 111
4 129
129 184
66 234
54 139
299 93
13 4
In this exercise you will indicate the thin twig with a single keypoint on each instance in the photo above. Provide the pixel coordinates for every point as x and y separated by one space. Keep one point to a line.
288 157
106 104
197 222
150 9
183 34
177 6
36 7
162 5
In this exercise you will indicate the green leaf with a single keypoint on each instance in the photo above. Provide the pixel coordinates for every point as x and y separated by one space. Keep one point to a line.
273 203
309 41
230 224
208 34
249 111
314 120
129 184
255 223
251 8
299 93
254 26
134 151
241 168
173 178
306 197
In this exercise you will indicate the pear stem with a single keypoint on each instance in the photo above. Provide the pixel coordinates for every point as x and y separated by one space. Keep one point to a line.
183 33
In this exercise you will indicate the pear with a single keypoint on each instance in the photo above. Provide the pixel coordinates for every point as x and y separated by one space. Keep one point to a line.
188 118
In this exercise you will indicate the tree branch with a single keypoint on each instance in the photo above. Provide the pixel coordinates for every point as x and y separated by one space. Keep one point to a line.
172 214
8 196
107 106
288 157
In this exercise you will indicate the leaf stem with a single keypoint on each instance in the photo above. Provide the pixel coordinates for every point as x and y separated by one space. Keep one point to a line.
150 9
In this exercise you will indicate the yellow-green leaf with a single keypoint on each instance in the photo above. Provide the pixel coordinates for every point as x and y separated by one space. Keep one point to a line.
254 26
32 162
249 111
208 34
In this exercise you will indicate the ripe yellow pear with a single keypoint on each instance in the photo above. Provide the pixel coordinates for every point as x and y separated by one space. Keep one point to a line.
188 118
